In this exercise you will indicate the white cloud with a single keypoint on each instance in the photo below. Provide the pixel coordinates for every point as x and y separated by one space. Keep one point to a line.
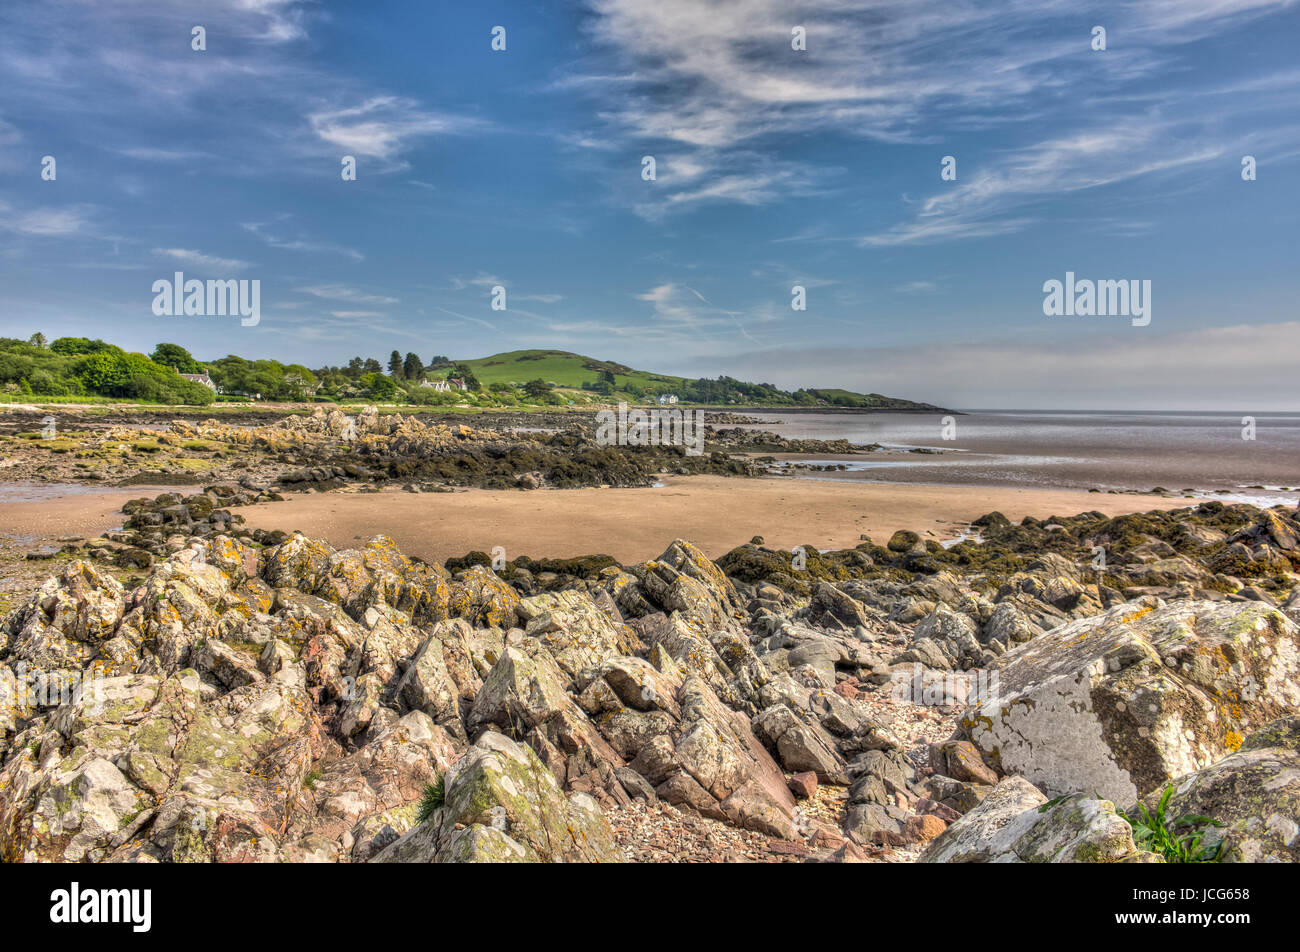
196 259
385 126
67 222
721 77
340 292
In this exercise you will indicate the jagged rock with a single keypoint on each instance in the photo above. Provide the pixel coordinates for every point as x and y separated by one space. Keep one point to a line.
501 804
524 697
692 749
1121 703
799 746
477 594
945 639
573 629
217 768
1009 625
831 607
382 778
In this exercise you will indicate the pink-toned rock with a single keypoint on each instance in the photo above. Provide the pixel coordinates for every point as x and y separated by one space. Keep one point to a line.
941 810
922 828
847 690
824 839
848 853
804 785
783 848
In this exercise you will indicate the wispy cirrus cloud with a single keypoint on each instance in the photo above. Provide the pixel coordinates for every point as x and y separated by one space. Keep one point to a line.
197 259
383 127
723 80
278 240
50 222
342 292
984 204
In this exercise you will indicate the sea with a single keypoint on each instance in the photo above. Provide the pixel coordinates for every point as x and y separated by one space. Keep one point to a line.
1239 456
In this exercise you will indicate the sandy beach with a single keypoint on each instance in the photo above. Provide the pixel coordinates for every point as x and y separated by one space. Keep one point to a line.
717 513
49 513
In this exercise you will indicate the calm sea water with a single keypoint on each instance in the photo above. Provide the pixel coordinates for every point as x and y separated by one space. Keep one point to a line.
1102 450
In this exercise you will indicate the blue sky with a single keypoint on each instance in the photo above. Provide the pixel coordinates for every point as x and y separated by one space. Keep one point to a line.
775 167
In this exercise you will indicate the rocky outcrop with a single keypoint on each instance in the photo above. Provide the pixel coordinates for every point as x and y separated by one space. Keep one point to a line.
294 702
1121 703
674 732
501 805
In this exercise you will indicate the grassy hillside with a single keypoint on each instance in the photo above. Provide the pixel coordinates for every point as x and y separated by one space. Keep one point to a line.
569 370
565 370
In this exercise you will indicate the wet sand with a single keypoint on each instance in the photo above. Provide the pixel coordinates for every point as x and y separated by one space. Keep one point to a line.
48 513
716 513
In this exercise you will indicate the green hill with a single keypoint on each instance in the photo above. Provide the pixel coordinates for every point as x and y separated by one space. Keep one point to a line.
576 371
566 370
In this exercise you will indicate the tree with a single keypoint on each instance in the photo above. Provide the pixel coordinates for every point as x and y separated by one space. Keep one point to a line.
371 366
300 381
439 362
74 346
413 368
37 340
176 357
395 365
464 373
378 386
537 388
355 368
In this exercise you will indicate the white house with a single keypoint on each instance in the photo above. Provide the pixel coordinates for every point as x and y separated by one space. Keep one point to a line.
202 378
667 399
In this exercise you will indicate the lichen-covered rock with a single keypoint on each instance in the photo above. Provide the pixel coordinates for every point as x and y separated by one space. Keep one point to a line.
799 744
1120 703
946 640
1016 823
693 749
64 624
224 763
501 804
524 697
575 632
1254 794
384 776
703 628
478 595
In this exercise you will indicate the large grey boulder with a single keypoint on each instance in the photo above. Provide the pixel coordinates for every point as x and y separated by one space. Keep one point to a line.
1016 823
1121 703
1254 794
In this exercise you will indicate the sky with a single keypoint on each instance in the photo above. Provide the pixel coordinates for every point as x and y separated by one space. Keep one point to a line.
774 167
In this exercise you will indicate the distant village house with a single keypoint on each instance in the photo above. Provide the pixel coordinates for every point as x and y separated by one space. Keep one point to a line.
202 378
